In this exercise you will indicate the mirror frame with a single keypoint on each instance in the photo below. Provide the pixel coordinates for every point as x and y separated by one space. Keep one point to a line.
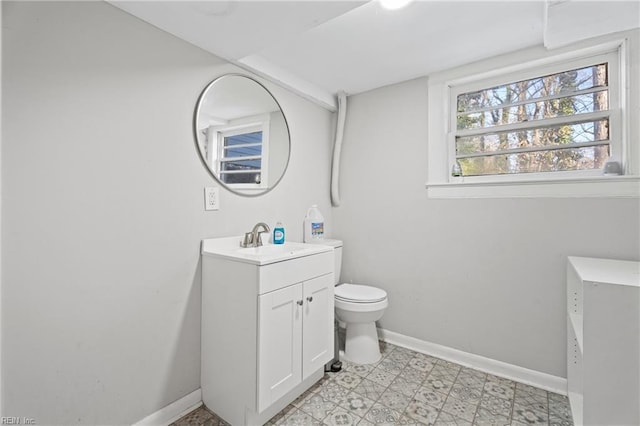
241 192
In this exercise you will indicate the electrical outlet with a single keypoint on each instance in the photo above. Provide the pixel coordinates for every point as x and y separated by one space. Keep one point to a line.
211 198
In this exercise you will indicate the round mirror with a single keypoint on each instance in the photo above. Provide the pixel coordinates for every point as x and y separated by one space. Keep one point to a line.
242 134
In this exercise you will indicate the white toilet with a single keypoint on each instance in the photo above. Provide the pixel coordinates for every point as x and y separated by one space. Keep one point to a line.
359 307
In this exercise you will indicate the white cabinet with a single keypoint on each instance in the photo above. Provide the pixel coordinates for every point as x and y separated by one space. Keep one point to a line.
317 344
603 341
295 336
267 331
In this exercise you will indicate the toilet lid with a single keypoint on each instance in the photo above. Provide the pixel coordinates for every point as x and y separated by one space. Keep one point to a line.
359 293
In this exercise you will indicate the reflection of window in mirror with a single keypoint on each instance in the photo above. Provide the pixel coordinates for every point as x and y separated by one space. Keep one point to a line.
238 151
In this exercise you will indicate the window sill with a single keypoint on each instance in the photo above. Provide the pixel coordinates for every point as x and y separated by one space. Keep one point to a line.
588 187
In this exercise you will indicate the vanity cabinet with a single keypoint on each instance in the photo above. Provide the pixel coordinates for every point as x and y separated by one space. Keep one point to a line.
292 340
267 331
603 341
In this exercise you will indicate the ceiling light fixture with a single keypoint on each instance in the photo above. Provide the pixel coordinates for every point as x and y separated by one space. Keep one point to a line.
394 4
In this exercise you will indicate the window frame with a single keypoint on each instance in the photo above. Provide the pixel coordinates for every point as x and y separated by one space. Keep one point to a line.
611 57
251 124
441 145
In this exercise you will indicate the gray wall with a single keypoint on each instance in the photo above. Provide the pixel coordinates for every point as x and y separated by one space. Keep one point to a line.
103 210
484 276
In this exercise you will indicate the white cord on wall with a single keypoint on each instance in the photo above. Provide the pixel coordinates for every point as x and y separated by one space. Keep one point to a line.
337 149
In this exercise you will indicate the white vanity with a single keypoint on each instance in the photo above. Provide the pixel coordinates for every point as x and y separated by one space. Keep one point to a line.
267 325
603 347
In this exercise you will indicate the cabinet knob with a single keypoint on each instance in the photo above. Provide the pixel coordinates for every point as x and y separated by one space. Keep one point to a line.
310 299
299 302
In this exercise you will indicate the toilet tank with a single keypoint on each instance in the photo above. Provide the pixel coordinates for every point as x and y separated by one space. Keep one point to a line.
337 255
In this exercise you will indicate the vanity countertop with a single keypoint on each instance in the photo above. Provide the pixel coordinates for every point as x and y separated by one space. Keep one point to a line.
229 248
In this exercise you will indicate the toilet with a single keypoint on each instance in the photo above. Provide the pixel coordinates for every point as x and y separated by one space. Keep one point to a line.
359 307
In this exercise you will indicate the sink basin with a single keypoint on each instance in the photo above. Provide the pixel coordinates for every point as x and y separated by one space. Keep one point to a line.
229 248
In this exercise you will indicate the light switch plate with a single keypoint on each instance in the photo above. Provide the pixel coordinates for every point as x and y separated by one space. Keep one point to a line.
211 198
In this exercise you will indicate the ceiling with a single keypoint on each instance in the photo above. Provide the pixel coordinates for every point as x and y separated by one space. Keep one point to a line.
317 48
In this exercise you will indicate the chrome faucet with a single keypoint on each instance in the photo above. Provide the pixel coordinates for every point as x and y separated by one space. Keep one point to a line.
254 238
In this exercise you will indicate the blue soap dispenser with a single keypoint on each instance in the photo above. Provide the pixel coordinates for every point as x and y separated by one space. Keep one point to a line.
278 233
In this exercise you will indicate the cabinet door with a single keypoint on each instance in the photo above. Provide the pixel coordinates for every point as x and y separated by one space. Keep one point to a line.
318 331
280 339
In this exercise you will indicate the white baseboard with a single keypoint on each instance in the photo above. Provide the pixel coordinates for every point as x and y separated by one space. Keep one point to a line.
497 368
172 412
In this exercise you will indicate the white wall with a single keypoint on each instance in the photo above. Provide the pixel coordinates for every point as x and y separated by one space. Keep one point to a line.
103 210
485 276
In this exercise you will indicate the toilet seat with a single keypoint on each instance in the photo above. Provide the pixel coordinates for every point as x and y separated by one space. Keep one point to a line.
358 293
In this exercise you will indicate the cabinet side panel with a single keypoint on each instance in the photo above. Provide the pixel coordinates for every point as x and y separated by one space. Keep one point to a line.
574 352
229 336
574 375
611 354
574 290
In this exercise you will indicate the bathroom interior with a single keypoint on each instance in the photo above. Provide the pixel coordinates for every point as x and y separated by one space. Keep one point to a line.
103 209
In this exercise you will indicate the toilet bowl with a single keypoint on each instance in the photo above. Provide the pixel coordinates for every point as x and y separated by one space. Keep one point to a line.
359 307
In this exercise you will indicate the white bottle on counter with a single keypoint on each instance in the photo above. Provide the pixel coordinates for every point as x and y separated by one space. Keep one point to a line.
313 225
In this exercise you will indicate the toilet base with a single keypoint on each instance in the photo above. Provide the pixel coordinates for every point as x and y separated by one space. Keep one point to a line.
361 343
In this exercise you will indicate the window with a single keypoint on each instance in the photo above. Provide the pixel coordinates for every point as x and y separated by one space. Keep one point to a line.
241 156
536 145
239 150
560 117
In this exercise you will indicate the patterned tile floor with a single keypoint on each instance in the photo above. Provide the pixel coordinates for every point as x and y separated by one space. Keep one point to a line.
410 388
